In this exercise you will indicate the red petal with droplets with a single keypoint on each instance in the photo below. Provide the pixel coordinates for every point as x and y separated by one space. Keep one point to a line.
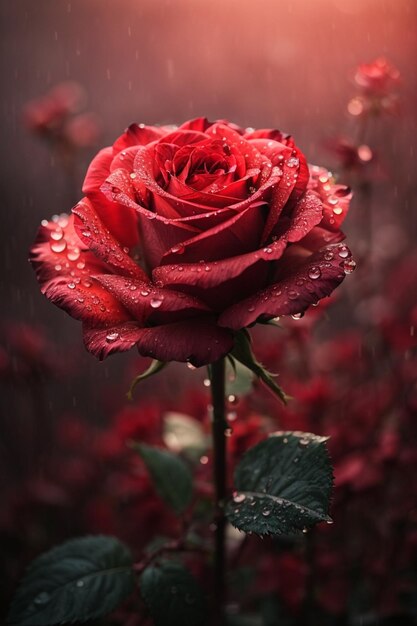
98 238
120 220
314 279
64 270
197 341
148 303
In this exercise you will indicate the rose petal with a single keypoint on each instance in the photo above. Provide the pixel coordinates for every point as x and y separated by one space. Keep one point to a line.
197 341
114 338
63 268
148 303
313 280
120 220
138 135
98 238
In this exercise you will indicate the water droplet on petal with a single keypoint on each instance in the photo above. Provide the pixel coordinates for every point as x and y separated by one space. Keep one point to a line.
349 265
144 293
156 303
343 252
112 337
57 235
293 295
314 272
58 246
297 316
73 255
292 162
228 432
178 249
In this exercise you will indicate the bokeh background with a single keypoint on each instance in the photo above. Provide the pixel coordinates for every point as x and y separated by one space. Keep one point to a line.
272 63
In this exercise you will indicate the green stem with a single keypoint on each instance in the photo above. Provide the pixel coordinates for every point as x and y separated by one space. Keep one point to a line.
219 466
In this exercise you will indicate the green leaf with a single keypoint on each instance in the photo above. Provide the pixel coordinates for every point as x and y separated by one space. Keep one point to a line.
172 477
239 378
242 352
79 580
283 485
172 595
155 367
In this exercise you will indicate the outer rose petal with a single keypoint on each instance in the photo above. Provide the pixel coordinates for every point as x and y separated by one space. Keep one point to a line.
150 304
197 341
113 338
98 238
313 280
120 220
64 272
138 135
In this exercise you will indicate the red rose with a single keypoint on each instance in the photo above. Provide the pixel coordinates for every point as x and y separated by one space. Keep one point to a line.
188 234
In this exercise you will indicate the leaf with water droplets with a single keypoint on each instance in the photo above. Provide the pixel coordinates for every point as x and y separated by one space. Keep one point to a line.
172 477
172 595
242 352
79 580
155 367
283 485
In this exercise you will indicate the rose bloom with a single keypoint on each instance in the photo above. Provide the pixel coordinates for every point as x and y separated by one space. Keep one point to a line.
186 235
376 77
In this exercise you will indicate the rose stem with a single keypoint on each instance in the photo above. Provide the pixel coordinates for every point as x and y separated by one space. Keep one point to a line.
219 467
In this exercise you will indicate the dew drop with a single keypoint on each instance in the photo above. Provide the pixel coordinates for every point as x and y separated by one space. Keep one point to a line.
42 598
80 583
178 249
156 303
73 255
228 432
144 293
293 295
71 285
266 513
297 316
343 253
86 232
292 162
314 272
206 382
204 460
329 255
57 235
349 265
111 337
238 497
58 246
